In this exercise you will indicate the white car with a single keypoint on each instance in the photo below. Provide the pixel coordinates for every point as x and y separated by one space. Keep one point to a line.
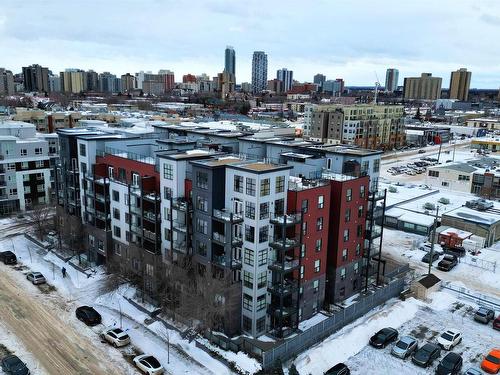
449 339
148 364
115 336
36 278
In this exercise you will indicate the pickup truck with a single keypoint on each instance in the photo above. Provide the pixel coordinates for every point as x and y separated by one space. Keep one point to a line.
448 262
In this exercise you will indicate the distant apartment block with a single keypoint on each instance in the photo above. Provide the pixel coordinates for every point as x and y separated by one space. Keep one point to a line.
424 87
259 72
391 80
6 82
36 78
286 76
459 84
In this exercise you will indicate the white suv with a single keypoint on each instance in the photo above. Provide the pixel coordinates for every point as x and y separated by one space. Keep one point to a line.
449 339
116 337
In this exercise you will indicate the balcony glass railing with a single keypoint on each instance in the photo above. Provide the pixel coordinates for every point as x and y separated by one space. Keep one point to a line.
288 219
287 265
227 216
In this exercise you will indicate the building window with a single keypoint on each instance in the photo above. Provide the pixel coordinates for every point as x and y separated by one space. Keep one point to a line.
248 279
11 166
321 201
346 235
349 195
319 224
319 243
264 210
248 257
262 257
202 180
342 274
249 233
238 184
250 187
40 164
149 270
263 234
317 265
201 248
247 323
302 250
26 177
262 280
168 234
356 267
304 228
111 172
315 286
83 150
24 165
433 173
463 178
301 272
247 302
167 192
265 187
359 230
117 231
201 226
168 171
116 213
261 302
344 255
279 207
118 249
280 184
127 218
305 206
116 195
444 183
361 210
364 167
362 191
358 249
202 203
250 210
347 215
376 165
261 324
24 152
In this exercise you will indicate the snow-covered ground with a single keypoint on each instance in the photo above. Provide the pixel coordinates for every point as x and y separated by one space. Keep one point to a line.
76 289
425 321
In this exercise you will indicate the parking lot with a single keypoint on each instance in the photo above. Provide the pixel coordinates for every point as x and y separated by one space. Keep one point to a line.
429 322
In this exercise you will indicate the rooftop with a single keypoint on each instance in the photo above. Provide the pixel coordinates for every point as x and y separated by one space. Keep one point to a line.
226 160
474 216
260 167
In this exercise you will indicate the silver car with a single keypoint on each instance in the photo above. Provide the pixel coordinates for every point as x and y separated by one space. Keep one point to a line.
36 278
405 346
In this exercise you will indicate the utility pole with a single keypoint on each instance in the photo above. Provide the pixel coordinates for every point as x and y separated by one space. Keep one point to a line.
454 148
432 240
439 153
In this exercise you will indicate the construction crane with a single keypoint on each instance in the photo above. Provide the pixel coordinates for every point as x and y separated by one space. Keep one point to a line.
377 85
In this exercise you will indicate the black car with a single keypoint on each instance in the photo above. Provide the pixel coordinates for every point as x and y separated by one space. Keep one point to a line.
383 337
88 315
339 369
8 257
448 262
12 365
450 364
424 356
426 258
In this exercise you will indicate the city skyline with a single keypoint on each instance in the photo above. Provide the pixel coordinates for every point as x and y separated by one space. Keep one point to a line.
432 41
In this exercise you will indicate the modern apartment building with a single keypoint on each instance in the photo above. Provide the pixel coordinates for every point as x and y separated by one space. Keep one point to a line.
391 80
425 87
319 79
26 166
286 76
459 84
230 61
36 78
128 82
259 72
364 125
6 82
73 80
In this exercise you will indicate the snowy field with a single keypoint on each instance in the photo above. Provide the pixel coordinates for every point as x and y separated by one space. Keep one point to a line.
425 321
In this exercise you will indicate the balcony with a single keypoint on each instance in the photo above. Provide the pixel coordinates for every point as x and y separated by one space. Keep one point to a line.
237 242
152 197
150 235
284 244
220 238
102 216
288 287
100 197
97 179
374 233
286 266
219 260
235 264
3 182
180 246
228 217
276 311
90 209
179 204
179 226
286 220
151 216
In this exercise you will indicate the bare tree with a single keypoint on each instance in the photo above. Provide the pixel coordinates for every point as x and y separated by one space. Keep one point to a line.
39 217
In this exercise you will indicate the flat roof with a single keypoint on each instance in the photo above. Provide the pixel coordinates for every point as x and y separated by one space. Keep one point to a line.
260 167
227 160
460 167
474 216
190 154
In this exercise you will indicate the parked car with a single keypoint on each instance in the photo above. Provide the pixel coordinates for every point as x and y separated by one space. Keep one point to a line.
451 364
339 369
88 315
36 278
148 364
427 257
8 257
12 365
484 315
449 339
491 363
496 323
447 263
421 151
424 356
115 336
473 371
383 337
405 347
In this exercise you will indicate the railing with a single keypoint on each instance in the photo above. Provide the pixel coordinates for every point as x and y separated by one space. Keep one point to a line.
219 259
277 311
151 215
288 265
287 287
235 263
237 241
285 244
150 235
180 246
126 155
286 219
180 226
227 216
152 197
102 216
100 197
179 204
374 233
219 237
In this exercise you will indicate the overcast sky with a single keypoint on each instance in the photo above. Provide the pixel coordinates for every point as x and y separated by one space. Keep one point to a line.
351 39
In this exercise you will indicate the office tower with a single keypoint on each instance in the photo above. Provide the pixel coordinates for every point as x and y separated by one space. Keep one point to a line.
6 82
425 87
391 80
230 61
334 87
319 79
459 84
36 78
259 72
285 76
